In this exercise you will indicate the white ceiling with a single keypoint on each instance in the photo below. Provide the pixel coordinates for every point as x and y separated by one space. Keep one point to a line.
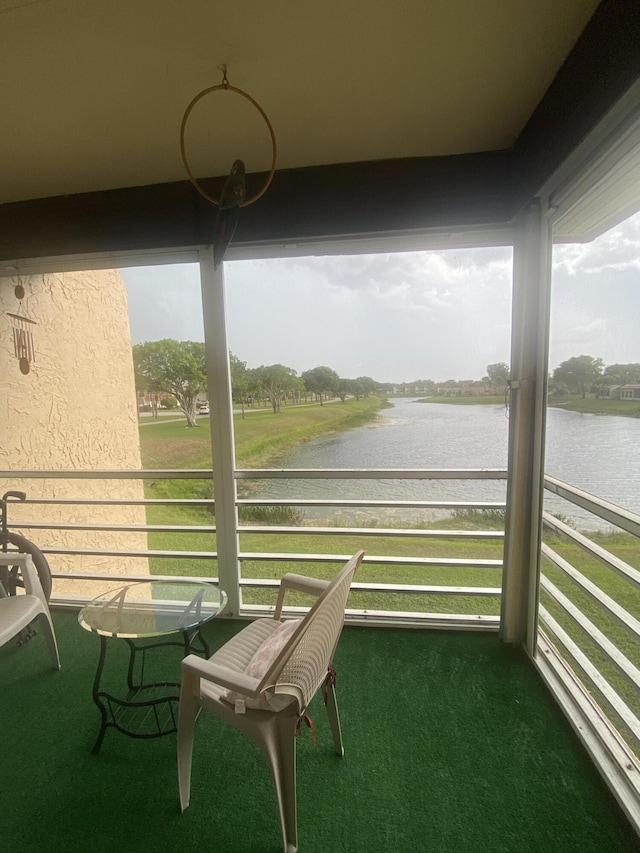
93 91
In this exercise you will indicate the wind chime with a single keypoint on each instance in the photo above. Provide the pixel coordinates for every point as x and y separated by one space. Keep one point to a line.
233 194
22 336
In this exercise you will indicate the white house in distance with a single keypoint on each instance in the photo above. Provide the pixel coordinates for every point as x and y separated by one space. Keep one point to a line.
620 392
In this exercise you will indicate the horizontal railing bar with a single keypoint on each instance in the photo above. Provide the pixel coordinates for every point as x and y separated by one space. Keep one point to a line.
610 649
261 474
370 474
119 501
613 698
274 583
616 515
443 619
390 618
303 502
267 502
248 529
393 617
109 474
107 552
262 556
116 528
280 557
610 560
375 531
132 578
604 600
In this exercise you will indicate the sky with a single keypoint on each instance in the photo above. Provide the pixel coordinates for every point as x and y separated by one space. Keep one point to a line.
405 316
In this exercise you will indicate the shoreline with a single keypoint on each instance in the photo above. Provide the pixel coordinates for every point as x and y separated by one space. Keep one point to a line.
573 403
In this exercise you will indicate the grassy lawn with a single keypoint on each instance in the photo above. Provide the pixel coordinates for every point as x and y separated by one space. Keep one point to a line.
591 405
261 437
571 402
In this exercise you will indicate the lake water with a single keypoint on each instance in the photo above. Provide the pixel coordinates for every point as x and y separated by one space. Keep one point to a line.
596 453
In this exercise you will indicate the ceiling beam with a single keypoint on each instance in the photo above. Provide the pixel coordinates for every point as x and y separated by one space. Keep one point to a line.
324 201
353 199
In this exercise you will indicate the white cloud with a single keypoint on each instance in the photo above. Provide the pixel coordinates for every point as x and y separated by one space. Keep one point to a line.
164 302
617 249
402 316
395 317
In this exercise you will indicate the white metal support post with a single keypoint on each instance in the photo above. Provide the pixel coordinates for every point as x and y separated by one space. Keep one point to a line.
222 443
527 418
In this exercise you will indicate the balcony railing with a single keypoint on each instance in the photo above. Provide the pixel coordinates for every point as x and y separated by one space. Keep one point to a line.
395 573
589 633
589 608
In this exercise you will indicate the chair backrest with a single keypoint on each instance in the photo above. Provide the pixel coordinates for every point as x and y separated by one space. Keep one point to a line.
302 666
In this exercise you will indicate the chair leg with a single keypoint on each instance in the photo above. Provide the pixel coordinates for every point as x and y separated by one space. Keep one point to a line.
187 716
278 743
334 718
50 637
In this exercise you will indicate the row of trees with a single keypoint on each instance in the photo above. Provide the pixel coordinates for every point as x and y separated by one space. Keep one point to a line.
178 368
584 373
580 374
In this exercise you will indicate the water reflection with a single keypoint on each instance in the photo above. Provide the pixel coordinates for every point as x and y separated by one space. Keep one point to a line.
595 453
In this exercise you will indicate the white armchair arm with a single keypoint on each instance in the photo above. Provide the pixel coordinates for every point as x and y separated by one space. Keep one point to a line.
222 675
299 583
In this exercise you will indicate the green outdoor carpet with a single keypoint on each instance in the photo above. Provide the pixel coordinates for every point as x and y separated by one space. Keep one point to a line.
451 744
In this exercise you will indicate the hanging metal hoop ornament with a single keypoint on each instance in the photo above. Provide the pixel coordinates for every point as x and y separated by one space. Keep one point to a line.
226 87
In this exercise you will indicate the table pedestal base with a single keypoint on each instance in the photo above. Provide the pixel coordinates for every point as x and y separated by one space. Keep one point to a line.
147 710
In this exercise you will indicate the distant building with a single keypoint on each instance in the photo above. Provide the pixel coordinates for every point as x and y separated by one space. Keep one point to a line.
619 392
609 392
630 392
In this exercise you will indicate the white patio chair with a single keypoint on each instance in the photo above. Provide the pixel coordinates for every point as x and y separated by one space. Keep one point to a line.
262 680
18 611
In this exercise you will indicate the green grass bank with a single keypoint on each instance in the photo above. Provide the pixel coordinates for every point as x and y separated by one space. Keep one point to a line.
590 405
261 437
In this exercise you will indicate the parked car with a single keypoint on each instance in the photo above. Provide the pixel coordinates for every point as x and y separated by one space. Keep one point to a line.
204 409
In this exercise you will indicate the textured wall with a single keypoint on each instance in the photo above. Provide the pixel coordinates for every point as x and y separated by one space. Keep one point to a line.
75 409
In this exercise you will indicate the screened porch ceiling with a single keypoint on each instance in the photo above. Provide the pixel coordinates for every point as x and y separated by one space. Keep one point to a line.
387 118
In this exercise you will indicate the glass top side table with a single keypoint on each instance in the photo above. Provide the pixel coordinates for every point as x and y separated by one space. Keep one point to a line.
142 612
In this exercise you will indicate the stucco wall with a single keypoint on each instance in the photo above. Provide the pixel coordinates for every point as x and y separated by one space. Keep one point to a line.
75 409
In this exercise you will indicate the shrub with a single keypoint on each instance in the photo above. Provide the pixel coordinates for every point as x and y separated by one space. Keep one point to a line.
286 515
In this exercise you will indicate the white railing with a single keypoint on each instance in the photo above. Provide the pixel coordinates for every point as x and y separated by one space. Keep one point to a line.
589 610
250 560
589 634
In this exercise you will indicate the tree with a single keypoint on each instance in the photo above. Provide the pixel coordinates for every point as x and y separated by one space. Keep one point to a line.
321 380
172 367
356 388
622 374
274 381
239 380
367 384
578 374
498 373
344 388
